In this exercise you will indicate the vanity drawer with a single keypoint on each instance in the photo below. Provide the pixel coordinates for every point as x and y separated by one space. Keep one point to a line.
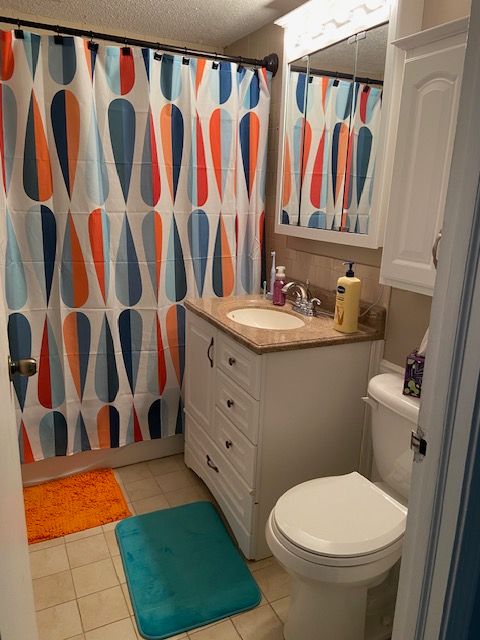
240 364
239 451
241 408
233 495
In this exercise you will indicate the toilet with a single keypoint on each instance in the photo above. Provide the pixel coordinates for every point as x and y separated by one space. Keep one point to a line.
340 536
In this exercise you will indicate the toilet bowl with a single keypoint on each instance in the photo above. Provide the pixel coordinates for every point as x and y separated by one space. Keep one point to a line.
339 536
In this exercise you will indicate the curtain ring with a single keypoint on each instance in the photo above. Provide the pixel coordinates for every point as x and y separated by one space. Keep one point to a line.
157 55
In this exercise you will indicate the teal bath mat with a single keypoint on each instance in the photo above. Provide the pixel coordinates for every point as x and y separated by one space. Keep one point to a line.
183 570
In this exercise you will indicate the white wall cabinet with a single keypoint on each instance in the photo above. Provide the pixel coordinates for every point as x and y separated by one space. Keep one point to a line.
426 130
256 425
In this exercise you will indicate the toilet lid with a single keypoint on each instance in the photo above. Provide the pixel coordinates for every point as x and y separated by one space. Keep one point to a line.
340 516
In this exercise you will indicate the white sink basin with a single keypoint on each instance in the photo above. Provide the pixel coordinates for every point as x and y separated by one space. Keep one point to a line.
265 319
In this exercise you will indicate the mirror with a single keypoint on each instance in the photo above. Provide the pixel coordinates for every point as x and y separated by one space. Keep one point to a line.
332 122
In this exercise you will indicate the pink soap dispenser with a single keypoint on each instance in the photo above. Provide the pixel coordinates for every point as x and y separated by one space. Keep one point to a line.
278 295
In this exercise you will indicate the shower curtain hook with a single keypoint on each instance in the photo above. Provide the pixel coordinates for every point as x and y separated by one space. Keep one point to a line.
126 51
19 35
185 60
215 63
58 38
157 55
93 46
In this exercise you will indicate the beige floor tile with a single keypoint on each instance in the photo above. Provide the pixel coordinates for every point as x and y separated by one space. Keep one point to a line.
118 564
255 565
222 631
274 582
120 630
183 496
164 465
86 533
111 538
126 595
175 480
94 577
87 550
143 489
46 544
259 624
80 637
102 608
59 622
48 561
281 607
181 636
150 504
52 590
110 525
134 472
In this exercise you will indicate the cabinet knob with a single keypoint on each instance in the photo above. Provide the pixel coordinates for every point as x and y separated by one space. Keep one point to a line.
228 444
231 361
230 403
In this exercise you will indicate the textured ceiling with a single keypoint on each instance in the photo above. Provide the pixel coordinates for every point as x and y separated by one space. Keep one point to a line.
216 23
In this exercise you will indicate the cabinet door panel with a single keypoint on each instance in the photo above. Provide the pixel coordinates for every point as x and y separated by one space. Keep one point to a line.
426 131
200 370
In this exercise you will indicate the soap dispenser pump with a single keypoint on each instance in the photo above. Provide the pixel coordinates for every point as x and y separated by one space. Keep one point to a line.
347 303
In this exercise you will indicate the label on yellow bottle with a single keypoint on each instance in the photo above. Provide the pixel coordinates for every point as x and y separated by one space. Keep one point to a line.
339 310
347 304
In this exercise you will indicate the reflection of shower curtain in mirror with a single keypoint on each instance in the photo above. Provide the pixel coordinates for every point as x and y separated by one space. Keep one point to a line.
336 168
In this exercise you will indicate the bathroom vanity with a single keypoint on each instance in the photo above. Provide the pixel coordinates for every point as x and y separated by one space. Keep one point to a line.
267 409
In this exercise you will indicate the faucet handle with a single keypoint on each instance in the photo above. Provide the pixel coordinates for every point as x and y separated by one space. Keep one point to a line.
315 301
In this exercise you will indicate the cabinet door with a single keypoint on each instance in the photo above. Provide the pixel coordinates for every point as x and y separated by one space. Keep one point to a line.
426 131
200 370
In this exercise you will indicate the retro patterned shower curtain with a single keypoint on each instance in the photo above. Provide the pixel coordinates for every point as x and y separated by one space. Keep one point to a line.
129 183
330 149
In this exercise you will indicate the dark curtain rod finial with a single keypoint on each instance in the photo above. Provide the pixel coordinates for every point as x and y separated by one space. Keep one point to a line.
270 62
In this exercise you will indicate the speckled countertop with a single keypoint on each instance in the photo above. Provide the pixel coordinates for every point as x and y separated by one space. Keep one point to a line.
317 331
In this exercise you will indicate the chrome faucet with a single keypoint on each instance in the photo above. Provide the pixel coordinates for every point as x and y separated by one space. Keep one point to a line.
303 302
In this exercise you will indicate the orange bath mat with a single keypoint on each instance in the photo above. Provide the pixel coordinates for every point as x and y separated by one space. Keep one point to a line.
72 504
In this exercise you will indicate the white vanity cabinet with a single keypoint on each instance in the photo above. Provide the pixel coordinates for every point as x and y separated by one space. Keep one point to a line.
426 131
256 425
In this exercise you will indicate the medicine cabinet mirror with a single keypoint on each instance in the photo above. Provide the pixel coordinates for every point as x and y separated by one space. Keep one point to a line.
332 141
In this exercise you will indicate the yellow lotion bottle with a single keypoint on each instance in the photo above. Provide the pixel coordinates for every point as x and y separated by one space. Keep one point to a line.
348 302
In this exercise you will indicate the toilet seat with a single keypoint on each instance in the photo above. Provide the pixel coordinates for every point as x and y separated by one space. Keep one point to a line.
339 521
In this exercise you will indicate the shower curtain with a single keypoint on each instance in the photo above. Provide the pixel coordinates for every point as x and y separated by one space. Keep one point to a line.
130 182
330 152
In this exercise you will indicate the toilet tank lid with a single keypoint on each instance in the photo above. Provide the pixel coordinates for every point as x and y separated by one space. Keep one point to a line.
387 388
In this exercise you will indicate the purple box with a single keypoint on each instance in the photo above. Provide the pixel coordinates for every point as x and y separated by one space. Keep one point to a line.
414 375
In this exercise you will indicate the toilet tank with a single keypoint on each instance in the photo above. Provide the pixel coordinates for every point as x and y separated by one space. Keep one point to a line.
393 418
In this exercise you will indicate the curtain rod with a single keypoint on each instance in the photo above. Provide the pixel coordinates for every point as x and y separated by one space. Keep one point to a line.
270 62
334 74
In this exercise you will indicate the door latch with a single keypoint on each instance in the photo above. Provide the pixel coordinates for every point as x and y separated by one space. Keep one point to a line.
418 444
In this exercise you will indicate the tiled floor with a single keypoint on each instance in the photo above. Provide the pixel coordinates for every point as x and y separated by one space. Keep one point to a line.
79 583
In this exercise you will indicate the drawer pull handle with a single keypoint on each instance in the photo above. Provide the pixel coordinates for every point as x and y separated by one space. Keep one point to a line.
228 444
230 403
211 464
231 361
210 346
